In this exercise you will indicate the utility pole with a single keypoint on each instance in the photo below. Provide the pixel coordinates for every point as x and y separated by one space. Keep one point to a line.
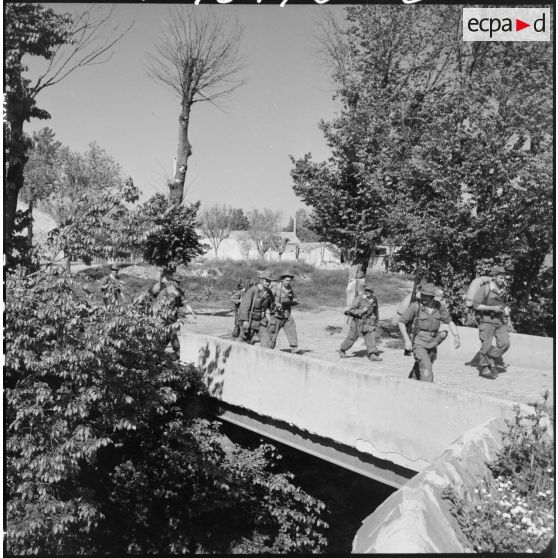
294 224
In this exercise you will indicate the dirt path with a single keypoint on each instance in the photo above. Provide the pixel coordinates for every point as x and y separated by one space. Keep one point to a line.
320 335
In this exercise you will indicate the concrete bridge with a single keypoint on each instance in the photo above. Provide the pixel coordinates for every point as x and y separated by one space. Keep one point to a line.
384 427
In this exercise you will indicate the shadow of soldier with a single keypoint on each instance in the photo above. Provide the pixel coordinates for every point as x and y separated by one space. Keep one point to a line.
212 366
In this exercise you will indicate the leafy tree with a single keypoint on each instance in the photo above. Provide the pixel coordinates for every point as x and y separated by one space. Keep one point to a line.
106 450
304 231
89 174
197 60
442 146
289 227
239 221
171 238
33 30
40 175
264 229
215 222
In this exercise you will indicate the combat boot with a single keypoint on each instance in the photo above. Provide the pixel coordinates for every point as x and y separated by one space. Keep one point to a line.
374 357
488 373
342 354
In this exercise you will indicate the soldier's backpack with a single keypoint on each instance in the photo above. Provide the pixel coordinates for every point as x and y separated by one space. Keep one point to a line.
481 282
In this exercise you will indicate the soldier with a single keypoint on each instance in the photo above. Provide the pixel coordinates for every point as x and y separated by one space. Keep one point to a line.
364 319
112 286
251 312
490 303
235 299
284 299
168 298
425 316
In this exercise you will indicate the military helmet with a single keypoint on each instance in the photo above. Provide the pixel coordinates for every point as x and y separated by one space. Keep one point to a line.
428 289
287 274
264 274
114 267
497 270
368 287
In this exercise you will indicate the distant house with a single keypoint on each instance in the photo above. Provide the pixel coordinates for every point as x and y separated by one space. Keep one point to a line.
237 246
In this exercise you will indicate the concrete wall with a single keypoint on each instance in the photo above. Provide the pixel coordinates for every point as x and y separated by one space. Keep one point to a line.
407 423
415 519
526 351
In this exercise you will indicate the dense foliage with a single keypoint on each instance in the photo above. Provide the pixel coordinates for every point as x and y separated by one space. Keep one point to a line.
513 511
105 447
442 146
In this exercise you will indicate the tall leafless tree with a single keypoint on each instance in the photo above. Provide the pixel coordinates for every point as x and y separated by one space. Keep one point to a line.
197 59
215 222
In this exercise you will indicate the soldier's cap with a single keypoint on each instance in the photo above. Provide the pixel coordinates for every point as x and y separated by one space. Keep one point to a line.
368 287
428 289
287 274
114 267
497 270
264 274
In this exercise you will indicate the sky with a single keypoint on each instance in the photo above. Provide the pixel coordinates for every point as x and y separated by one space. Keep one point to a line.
241 149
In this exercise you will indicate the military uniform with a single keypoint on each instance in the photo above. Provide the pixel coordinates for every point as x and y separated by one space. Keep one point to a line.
253 305
364 320
425 325
284 298
235 299
169 297
492 324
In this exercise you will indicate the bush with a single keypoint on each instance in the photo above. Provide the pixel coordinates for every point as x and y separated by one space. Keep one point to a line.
513 510
106 450
315 287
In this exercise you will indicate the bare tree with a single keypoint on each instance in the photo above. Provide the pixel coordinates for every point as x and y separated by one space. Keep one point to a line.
197 59
246 244
215 222
264 230
67 42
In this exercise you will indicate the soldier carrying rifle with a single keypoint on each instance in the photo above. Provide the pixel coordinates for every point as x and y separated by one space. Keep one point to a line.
252 311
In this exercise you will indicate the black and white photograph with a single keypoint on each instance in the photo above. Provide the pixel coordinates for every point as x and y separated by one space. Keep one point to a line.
279 277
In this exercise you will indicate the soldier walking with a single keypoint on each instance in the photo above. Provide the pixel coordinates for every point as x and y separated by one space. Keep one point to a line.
282 319
252 311
425 316
235 299
364 315
490 303
168 299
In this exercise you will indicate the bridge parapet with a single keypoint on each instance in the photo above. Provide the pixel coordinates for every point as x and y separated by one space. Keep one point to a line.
406 423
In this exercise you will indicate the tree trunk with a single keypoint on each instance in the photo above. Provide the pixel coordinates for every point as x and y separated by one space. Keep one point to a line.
30 227
357 275
176 187
216 255
68 263
13 181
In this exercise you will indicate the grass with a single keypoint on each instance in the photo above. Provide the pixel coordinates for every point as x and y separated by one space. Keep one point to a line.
210 284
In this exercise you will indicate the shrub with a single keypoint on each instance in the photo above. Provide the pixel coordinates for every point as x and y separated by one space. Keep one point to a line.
513 509
105 449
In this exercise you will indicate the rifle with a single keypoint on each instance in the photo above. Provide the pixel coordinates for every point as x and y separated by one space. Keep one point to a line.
415 371
413 327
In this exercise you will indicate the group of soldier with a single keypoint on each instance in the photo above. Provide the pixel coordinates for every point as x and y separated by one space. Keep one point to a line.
419 323
252 305
263 309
